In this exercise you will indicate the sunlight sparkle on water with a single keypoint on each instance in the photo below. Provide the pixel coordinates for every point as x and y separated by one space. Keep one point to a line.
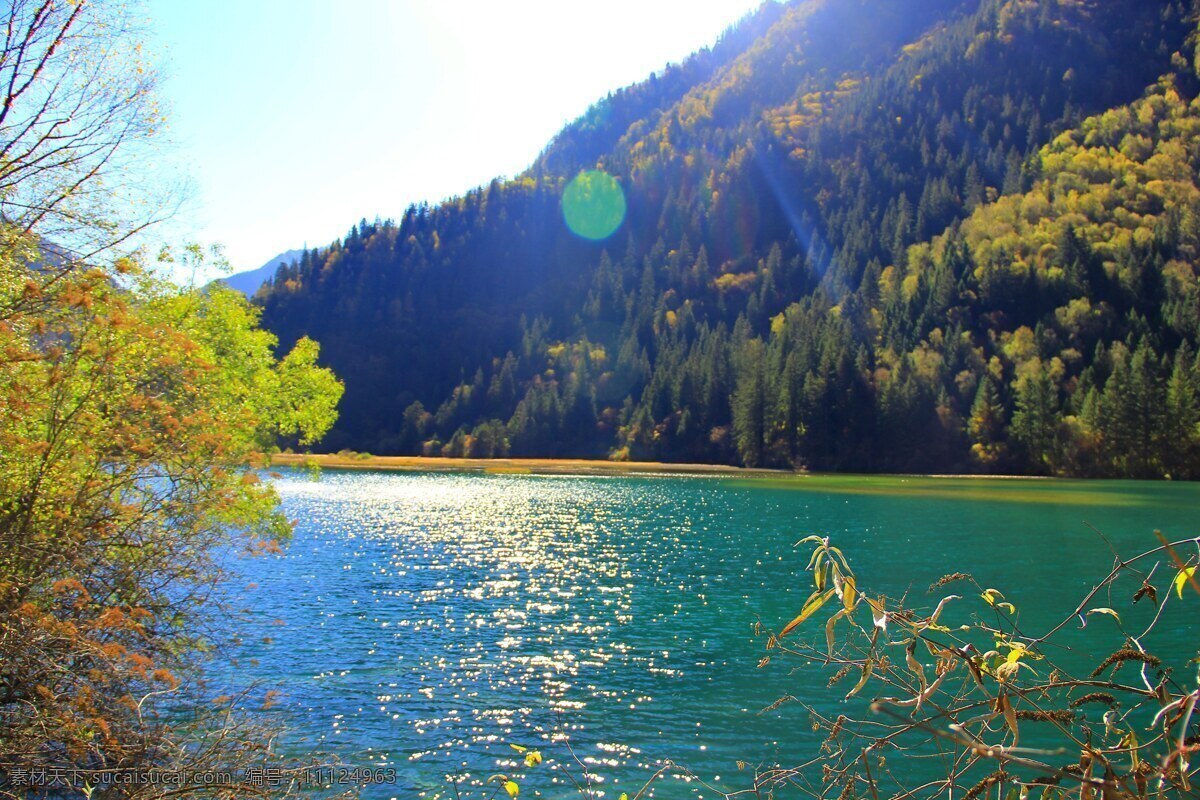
428 621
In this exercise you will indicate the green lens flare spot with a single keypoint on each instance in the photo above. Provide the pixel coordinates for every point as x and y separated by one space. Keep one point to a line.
593 205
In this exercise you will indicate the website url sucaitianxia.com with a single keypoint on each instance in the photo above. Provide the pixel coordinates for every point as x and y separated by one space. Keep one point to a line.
57 777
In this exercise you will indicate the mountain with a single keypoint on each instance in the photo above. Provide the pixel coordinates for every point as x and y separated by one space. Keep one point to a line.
904 235
248 281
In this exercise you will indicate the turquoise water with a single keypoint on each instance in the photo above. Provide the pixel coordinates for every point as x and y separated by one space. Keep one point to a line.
425 622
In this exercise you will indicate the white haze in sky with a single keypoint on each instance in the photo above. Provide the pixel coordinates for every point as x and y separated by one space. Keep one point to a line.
293 120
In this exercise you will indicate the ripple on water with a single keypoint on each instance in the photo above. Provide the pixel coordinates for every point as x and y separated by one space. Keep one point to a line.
430 620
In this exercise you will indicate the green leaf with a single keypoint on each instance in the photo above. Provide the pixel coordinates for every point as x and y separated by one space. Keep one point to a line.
1131 743
868 668
1108 611
1010 715
1183 577
937 612
829 629
991 595
812 560
817 600
841 557
849 593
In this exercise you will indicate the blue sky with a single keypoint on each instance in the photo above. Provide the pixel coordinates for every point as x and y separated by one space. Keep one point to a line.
293 120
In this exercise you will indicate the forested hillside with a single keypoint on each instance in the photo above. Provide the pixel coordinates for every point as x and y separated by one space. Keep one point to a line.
947 235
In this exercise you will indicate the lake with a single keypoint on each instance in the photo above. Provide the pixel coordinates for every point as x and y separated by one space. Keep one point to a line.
427 621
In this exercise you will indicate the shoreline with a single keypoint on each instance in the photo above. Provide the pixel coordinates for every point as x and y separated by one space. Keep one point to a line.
513 466
587 466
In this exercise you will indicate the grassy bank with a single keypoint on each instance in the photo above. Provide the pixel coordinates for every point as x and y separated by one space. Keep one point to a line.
535 466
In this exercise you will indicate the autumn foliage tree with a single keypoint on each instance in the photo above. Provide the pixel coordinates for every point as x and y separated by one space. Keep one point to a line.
78 116
130 413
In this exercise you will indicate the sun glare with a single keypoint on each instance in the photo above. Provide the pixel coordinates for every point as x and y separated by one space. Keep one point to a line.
593 205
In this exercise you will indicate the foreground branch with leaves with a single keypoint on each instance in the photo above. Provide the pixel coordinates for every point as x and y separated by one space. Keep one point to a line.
129 412
970 704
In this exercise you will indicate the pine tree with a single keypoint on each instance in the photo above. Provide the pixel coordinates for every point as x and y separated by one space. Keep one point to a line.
748 404
1035 421
1182 434
986 426
1148 398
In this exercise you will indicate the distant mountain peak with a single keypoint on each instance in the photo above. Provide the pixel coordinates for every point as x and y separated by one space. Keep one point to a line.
249 281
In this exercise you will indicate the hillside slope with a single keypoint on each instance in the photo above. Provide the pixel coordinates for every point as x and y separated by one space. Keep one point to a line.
763 302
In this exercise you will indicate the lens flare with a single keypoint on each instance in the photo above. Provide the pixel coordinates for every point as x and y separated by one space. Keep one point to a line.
593 205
